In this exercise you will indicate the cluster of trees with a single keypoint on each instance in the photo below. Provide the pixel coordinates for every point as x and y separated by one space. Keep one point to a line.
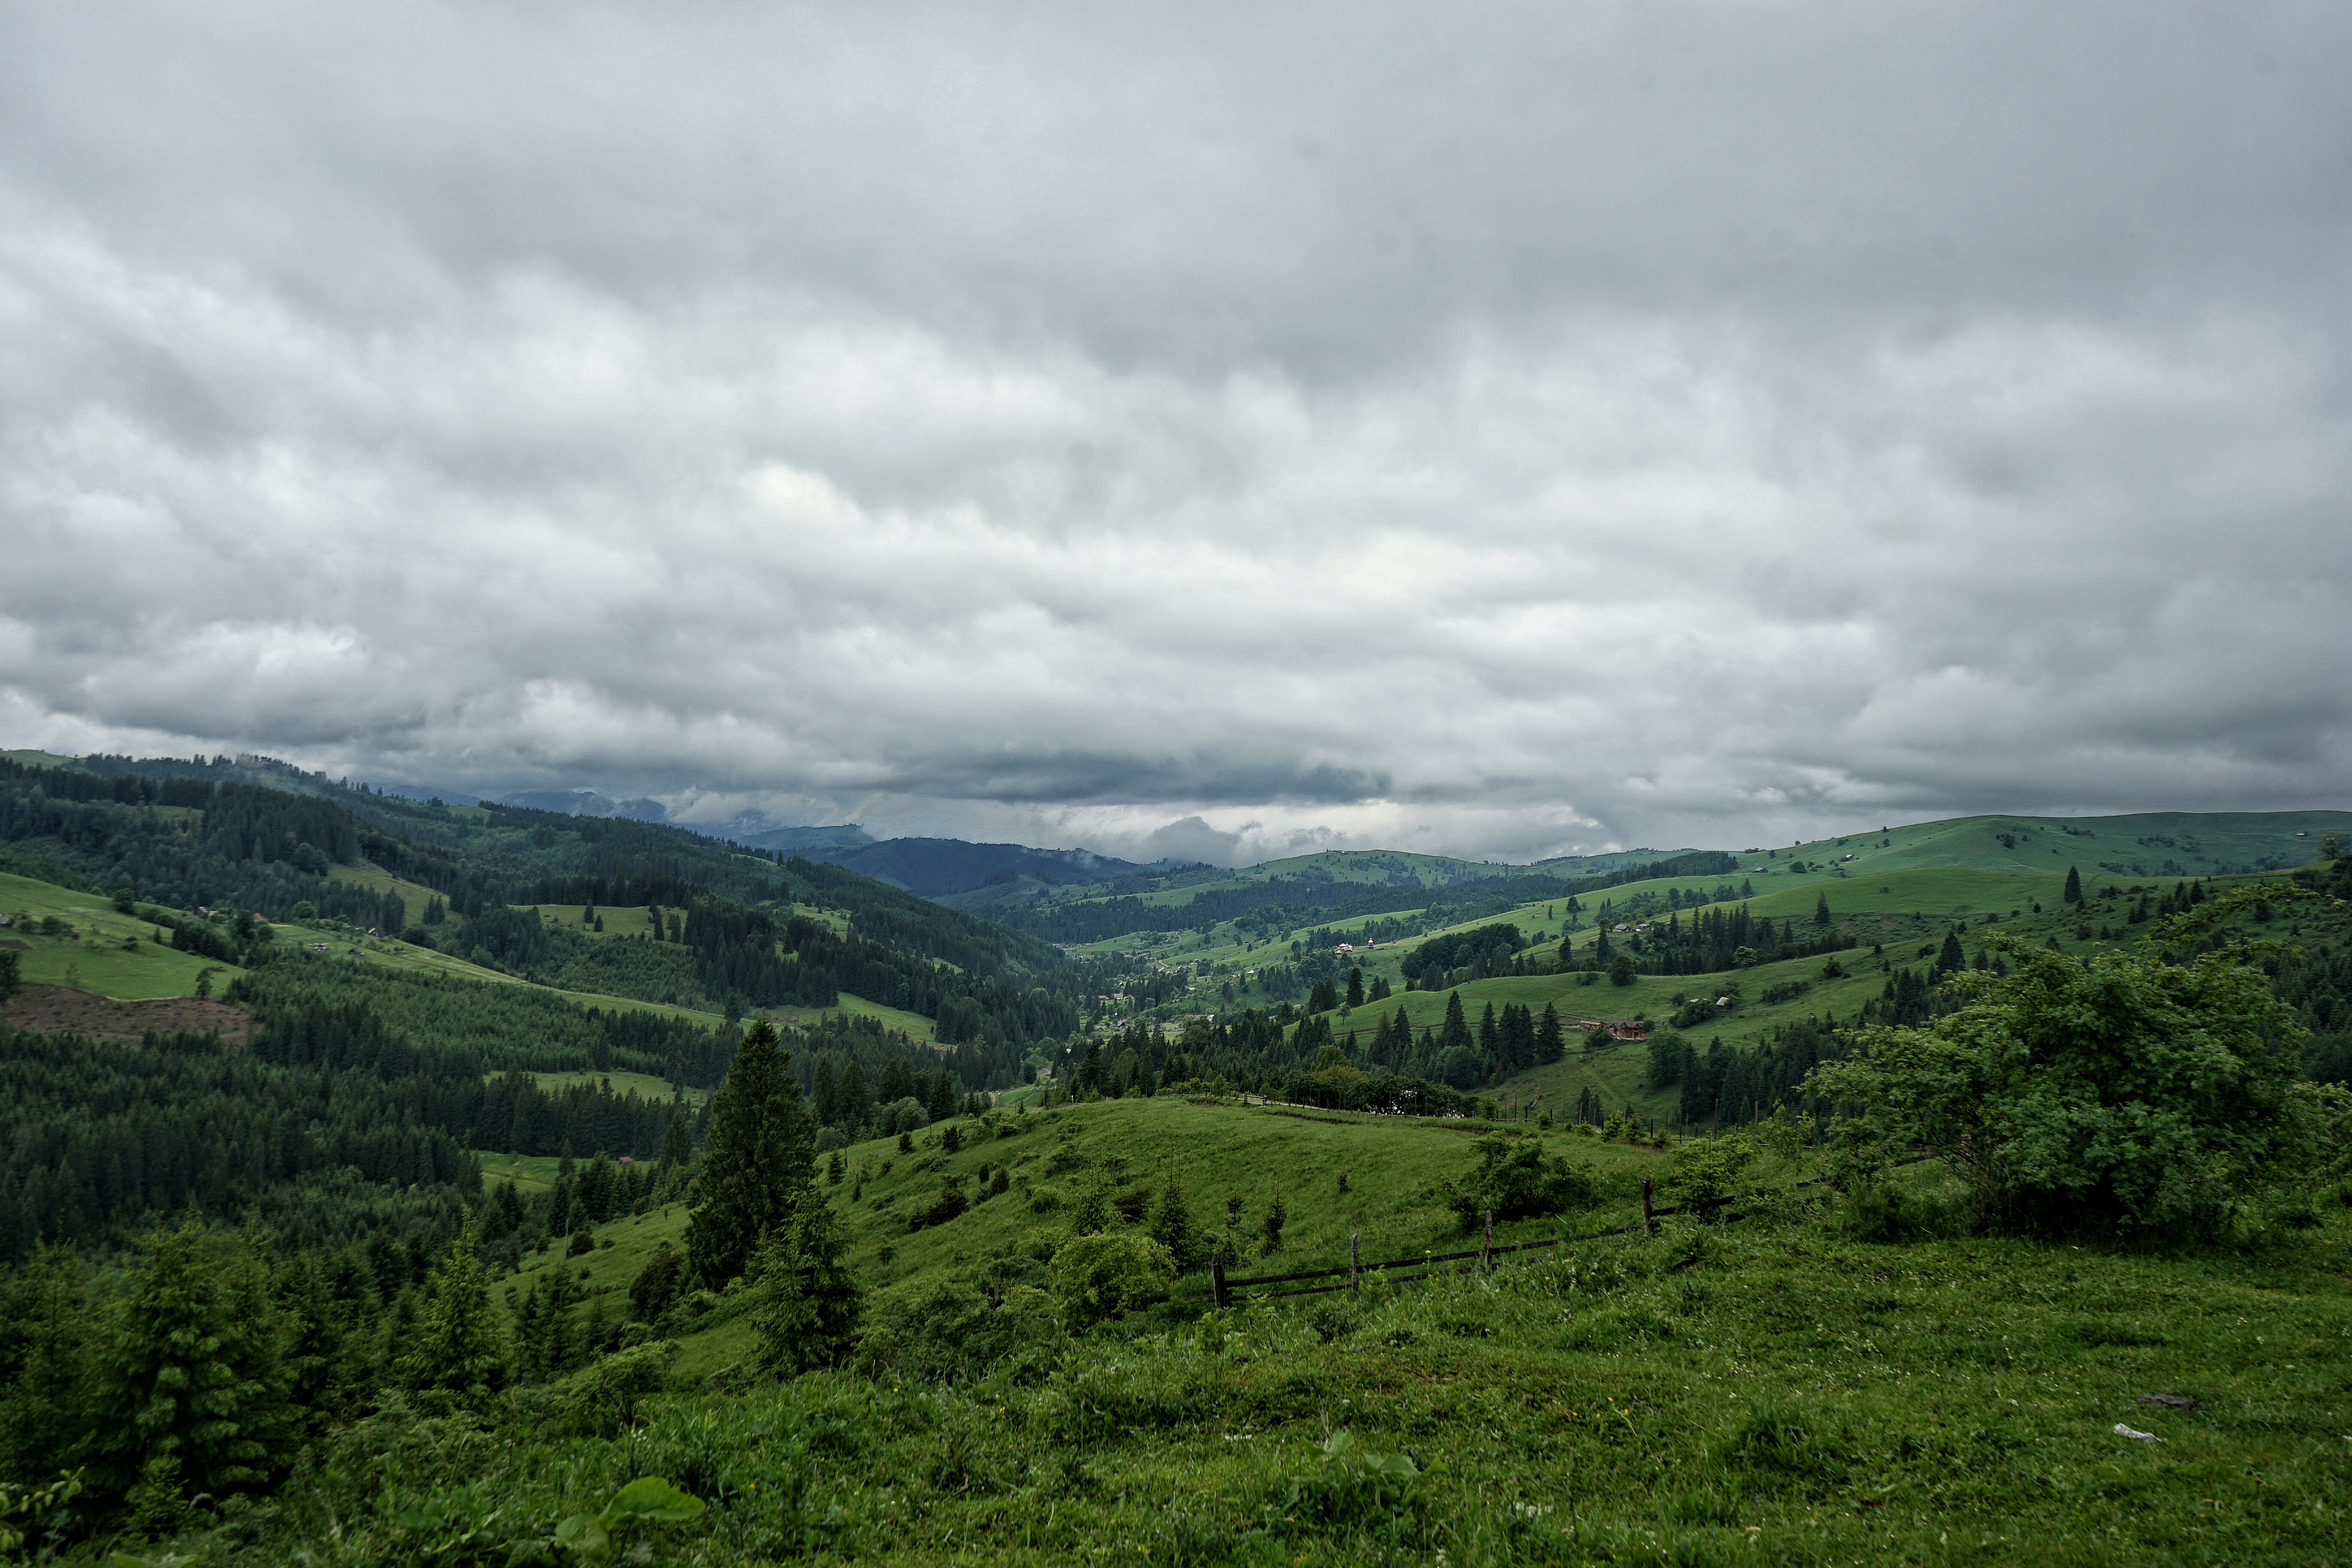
1251 1050
251 849
1723 1087
1471 954
862 1096
105 1134
1716 940
325 1103
215 1358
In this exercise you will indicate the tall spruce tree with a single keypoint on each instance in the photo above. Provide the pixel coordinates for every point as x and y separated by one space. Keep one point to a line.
756 1160
44 1351
1456 1035
458 1350
808 1303
1822 908
1550 1044
2074 893
192 1372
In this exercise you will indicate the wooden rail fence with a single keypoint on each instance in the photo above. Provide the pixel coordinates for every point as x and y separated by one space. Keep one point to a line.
1221 1289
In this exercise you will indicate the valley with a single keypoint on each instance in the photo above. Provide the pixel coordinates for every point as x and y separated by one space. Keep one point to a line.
454 1082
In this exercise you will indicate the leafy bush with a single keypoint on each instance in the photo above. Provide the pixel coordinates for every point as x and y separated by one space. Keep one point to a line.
1106 1274
950 1204
602 1398
1514 1179
957 1330
2122 1091
1353 1486
1887 1214
1333 1318
1705 1173
958 1327
636 1514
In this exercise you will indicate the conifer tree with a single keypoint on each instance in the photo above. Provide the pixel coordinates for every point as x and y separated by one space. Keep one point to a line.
1550 1044
1277 1214
1456 1035
191 1371
756 1160
1355 986
677 1136
855 1099
560 1209
319 1371
456 1351
2074 893
529 1339
940 1101
1822 908
808 1315
1172 1223
1949 959
45 1313
1093 1212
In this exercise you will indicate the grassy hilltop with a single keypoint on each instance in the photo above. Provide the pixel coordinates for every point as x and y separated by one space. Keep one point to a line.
1774 1389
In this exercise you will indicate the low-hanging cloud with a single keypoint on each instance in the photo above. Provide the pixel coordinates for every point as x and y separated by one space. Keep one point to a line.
1219 433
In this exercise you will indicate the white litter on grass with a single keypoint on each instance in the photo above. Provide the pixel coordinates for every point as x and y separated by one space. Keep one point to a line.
2123 1431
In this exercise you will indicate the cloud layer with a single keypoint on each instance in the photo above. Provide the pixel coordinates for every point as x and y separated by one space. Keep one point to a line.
1191 430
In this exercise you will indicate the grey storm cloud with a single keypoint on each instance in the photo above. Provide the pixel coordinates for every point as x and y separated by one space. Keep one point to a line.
1207 429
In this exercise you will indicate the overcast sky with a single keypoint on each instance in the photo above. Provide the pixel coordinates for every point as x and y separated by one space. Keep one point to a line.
1197 428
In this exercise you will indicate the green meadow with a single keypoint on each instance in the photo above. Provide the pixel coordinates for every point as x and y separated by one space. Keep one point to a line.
1771 1389
108 952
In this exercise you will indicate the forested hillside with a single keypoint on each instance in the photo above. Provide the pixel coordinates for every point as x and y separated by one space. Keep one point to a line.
755 1118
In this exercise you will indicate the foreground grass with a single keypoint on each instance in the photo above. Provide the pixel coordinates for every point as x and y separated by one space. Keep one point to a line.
1765 1393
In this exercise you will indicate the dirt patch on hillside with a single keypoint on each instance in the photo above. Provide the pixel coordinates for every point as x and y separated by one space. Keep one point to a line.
54 1010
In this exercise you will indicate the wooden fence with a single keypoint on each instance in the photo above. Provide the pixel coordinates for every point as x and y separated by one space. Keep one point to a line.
1221 1289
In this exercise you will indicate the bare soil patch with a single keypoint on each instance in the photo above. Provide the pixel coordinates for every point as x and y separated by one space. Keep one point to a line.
55 1010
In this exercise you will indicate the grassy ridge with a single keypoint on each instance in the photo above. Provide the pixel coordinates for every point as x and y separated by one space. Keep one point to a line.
1767 1391
1393 1167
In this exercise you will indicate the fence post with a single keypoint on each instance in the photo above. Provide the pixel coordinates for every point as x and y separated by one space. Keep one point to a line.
1486 1252
1649 1220
1217 1278
1355 1259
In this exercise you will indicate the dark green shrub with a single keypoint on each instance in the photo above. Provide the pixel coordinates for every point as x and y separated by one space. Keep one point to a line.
1890 1217
1514 1179
1333 1318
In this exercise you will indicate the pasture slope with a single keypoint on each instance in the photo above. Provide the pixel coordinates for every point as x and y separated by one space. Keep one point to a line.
1773 1388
